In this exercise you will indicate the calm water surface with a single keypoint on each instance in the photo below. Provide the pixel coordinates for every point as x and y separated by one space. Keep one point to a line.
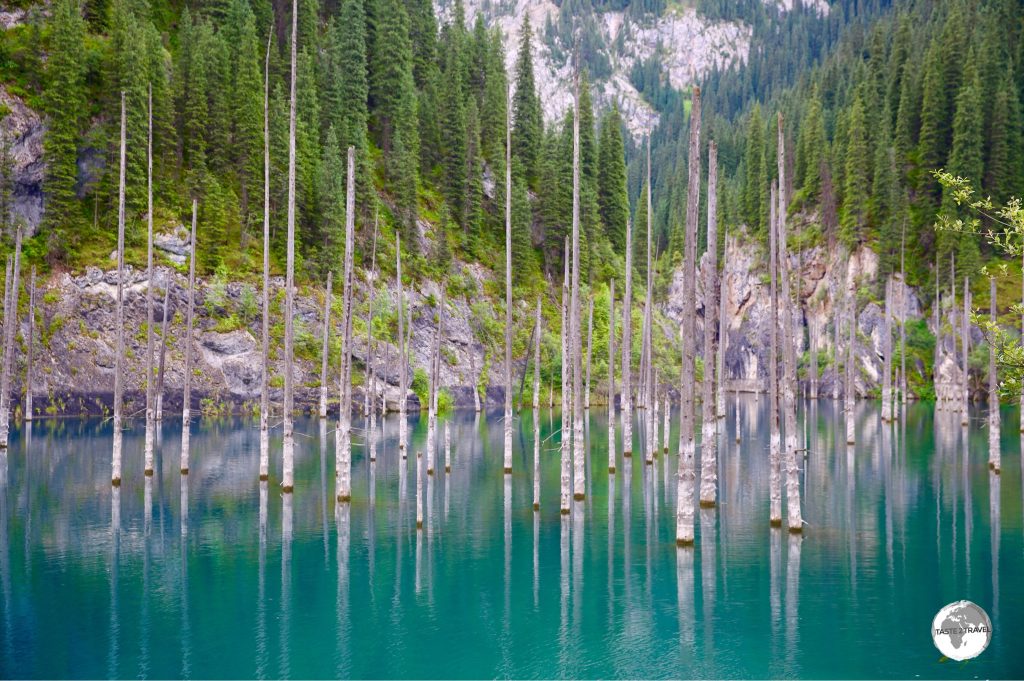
216 575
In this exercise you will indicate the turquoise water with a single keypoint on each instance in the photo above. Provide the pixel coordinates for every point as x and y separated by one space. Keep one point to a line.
214 575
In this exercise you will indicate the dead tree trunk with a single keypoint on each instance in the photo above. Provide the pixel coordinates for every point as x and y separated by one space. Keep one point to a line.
625 398
288 481
30 350
887 356
720 354
611 376
186 416
965 339
150 415
508 296
850 387
775 438
435 353
578 455
325 346
590 352
651 417
265 344
10 332
566 443
371 381
993 389
403 357
536 411
119 318
794 516
709 426
685 477
343 443
903 319
837 320
163 356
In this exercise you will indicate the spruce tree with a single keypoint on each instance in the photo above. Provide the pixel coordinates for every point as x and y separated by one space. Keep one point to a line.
494 108
64 102
935 115
1003 170
528 126
754 200
611 180
856 177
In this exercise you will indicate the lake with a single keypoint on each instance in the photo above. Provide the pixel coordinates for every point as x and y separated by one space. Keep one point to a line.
215 574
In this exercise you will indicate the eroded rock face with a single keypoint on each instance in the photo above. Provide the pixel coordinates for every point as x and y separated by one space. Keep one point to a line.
826 273
22 130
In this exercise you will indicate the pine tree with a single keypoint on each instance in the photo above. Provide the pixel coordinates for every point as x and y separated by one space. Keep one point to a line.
522 241
246 99
472 215
494 108
453 128
350 38
754 198
64 102
528 126
1003 170
965 159
933 143
812 146
611 180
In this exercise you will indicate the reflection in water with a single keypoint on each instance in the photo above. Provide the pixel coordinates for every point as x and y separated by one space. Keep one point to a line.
775 589
708 575
563 583
968 503
323 487
684 599
793 604
994 482
5 561
343 661
115 560
186 622
261 587
147 514
284 656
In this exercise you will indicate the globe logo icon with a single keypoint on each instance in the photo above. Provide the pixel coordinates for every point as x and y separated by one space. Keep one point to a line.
961 630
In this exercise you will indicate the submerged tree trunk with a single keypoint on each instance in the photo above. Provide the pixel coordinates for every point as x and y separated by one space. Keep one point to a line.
163 356
186 416
685 477
794 516
590 352
611 376
887 355
288 481
343 443
965 338
325 346
119 317
403 357
508 297
150 415
993 389
536 411
720 354
265 345
30 349
709 425
578 454
625 405
775 436
566 443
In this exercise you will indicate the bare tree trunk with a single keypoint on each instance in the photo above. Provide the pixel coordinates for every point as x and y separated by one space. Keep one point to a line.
186 416
611 376
30 350
625 399
590 352
578 455
850 387
953 403
288 482
536 411
566 443
371 382
775 437
648 371
476 382
709 426
7 305
447 447
119 318
508 295
993 389
343 443
403 357
163 356
794 516
837 318
813 347
722 336
150 420
265 345
325 346
965 339
903 318
432 393
887 355
686 475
